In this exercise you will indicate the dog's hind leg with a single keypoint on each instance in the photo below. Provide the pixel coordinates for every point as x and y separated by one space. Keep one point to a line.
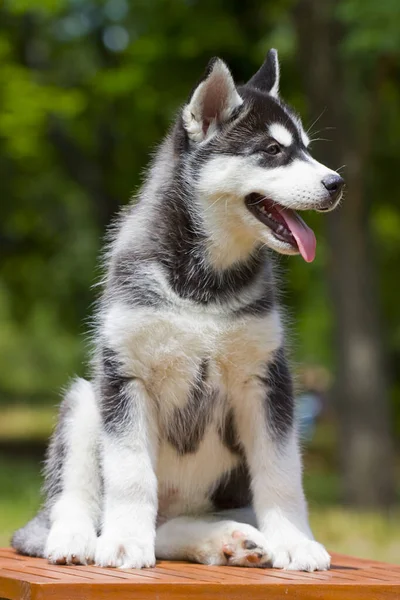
212 540
73 480
64 531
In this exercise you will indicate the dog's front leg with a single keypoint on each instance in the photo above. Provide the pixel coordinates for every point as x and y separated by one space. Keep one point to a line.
130 488
269 436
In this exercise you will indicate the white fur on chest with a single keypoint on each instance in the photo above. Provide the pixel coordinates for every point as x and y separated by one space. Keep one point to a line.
185 482
164 348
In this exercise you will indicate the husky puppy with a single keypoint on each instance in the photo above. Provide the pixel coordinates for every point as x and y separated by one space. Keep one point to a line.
188 418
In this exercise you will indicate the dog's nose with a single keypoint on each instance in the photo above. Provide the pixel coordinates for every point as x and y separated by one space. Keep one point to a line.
333 183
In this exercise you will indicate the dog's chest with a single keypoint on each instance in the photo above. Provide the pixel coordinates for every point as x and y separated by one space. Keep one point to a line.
171 350
167 349
204 363
193 363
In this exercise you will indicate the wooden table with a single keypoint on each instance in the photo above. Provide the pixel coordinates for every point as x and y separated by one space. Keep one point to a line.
23 578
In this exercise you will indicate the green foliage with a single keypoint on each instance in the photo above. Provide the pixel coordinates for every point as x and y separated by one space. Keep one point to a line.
39 6
373 27
23 122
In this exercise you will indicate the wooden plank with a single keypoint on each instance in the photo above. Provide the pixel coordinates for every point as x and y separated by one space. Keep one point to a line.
26 578
214 592
15 589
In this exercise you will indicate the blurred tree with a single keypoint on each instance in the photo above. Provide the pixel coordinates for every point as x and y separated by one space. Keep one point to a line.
349 93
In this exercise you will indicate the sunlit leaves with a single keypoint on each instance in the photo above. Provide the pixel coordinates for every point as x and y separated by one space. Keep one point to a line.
41 6
372 27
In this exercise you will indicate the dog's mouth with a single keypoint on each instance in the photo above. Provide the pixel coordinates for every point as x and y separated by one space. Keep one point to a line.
285 224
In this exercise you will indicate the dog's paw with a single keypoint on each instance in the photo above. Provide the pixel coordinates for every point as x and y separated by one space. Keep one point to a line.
71 543
124 553
234 544
246 547
306 555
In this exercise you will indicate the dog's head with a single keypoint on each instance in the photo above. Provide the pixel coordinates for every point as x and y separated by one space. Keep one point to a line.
246 154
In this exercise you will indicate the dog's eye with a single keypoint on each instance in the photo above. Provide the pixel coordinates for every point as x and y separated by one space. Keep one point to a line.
273 149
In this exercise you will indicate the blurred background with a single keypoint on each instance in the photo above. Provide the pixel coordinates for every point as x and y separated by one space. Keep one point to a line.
87 89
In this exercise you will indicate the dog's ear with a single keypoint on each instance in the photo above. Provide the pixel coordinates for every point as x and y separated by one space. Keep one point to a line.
267 77
212 102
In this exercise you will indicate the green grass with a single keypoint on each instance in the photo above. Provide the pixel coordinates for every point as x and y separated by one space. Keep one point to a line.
20 481
369 535
22 422
366 535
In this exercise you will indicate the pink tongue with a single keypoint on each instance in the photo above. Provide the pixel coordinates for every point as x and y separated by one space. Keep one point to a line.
301 232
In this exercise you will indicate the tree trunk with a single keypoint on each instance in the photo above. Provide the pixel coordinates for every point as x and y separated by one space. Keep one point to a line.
361 394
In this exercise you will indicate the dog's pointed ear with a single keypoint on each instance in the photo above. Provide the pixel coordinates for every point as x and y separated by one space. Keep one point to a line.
267 77
212 102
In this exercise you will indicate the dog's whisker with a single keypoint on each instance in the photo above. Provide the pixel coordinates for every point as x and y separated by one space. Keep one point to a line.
215 202
320 140
317 131
259 201
316 120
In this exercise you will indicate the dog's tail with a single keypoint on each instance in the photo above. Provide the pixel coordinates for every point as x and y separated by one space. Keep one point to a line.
31 539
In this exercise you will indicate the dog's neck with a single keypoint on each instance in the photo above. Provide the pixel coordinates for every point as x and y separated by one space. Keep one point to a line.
228 243
201 266
205 256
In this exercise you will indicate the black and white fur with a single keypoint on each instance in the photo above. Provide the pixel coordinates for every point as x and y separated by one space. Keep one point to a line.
188 420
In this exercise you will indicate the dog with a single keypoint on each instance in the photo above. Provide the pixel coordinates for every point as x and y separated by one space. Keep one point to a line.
183 445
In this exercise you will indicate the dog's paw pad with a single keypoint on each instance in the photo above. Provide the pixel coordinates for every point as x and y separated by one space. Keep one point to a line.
246 548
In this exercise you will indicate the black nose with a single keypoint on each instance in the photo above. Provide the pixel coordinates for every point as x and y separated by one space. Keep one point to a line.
333 183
